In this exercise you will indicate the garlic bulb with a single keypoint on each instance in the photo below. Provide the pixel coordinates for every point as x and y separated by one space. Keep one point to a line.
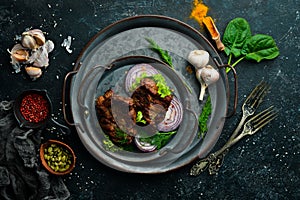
198 58
206 76
209 75
31 53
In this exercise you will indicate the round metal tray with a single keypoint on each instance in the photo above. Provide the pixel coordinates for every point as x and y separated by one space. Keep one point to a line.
127 38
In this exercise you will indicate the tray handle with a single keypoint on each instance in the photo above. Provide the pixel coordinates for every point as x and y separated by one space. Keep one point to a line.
220 66
71 73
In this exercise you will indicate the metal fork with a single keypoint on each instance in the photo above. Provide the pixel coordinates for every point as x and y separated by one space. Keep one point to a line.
251 103
214 161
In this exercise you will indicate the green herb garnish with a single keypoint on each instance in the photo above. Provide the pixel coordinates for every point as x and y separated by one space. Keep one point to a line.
109 145
163 88
160 139
138 81
122 136
165 57
139 117
203 118
240 44
163 53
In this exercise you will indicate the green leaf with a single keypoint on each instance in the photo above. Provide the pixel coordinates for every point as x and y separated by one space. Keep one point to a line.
163 88
160 139
163 53
235 35
203 118
139 117
260 47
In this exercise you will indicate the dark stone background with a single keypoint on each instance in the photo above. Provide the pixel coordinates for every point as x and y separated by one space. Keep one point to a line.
264 166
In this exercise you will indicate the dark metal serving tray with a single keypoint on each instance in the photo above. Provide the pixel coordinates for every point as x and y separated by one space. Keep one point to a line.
127 38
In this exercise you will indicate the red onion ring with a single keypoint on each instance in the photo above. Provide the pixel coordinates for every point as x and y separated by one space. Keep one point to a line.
135 72
143 146
173 117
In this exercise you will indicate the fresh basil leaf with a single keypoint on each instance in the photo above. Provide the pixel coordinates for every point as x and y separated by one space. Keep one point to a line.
260 47
235 35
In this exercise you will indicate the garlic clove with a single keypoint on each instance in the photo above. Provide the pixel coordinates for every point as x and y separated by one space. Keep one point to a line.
209 75
19 54
33 72
198 58
38 35
49 45
40 57
29 42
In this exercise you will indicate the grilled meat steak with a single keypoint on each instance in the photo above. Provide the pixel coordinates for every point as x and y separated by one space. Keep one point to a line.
117 113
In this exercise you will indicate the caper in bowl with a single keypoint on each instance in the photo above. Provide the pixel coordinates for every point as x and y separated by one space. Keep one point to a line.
57 157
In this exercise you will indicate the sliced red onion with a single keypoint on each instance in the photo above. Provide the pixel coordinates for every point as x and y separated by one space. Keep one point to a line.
144 146
135 72
173 116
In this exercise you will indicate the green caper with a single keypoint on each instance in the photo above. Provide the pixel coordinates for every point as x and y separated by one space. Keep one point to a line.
58 158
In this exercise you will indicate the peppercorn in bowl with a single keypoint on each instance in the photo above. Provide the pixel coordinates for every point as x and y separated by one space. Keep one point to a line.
57 157
32 108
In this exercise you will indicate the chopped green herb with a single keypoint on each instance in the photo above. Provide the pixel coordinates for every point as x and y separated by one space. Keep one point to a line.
160 139
139 117
163 53
122 136
203 118
109 145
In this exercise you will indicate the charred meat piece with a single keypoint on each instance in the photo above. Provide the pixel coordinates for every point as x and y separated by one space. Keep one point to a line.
117 114
107 120
149 102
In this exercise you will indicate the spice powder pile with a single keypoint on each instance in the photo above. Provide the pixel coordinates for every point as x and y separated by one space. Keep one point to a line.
199 11
34 108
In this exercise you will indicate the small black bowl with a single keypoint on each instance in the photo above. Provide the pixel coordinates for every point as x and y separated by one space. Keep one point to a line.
19 116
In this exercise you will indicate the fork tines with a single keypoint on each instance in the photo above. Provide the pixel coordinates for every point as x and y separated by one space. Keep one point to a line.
263 118
257 95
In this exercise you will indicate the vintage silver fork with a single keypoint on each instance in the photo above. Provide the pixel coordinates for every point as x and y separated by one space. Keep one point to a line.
251 103
214 161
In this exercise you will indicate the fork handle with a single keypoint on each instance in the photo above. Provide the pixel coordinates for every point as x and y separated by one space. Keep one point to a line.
238 128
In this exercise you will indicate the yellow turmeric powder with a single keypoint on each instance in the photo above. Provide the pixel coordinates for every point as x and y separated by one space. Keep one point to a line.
199 11
209 24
